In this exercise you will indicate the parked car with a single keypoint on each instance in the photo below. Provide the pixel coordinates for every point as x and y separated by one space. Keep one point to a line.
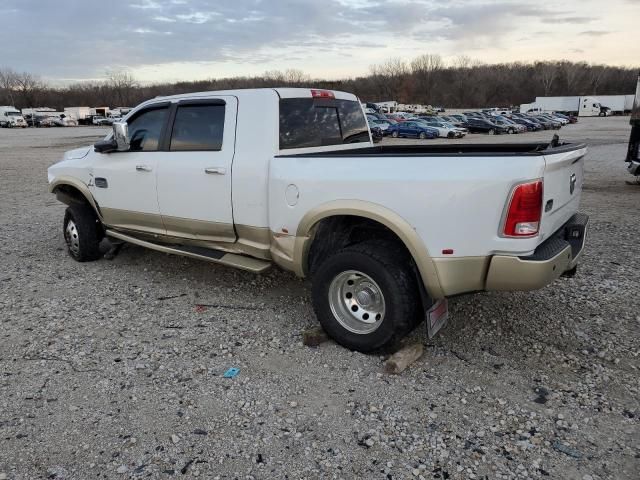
570 118
97 119
510 125
385 234
376 133
563 120
547 122
46 122
480 125
64 121
456 122
382 125
528 124
445 130
110 120
411 128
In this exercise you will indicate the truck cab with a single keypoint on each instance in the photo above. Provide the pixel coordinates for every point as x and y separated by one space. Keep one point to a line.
10 117
591 107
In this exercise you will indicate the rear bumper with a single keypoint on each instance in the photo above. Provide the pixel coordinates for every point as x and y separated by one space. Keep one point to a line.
555 256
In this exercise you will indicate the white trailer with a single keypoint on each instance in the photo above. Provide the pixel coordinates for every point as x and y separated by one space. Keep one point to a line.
78 113
585 106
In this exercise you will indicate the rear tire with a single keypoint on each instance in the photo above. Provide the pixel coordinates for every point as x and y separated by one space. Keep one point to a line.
366 296
491 131
82 233
394 134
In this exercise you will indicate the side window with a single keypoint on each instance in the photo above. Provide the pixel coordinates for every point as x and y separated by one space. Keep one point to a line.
198 128
145 129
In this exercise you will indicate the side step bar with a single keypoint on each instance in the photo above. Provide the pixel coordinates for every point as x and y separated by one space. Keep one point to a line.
216 256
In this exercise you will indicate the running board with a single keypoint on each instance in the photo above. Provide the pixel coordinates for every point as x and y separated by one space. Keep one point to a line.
216 256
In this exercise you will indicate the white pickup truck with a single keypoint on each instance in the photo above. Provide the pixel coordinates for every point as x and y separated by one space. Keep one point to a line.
248 178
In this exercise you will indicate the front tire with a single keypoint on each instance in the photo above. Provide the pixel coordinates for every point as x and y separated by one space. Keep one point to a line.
394 134
422 135
82 233
366 296
491 131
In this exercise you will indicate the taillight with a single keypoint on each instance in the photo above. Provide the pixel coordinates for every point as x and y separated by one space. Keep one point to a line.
525 210
322 94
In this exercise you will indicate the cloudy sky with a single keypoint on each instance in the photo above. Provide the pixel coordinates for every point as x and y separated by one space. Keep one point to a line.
166 40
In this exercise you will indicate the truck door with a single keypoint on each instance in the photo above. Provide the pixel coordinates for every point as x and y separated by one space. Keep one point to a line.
124 183
194 173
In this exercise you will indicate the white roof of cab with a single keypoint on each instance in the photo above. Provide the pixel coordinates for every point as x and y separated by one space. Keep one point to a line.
248 92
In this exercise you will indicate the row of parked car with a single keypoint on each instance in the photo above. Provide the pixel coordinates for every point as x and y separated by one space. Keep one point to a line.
458 125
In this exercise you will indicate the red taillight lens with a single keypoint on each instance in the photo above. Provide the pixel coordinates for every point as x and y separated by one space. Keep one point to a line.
525 210
322 94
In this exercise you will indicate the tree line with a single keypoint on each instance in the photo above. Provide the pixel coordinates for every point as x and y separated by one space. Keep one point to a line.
427 80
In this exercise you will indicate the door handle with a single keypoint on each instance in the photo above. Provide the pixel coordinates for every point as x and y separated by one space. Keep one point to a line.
216 170
143 168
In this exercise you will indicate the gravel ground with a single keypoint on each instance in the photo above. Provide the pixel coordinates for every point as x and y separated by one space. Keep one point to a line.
109 370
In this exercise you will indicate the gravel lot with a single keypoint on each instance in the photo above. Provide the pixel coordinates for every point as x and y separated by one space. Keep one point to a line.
108 369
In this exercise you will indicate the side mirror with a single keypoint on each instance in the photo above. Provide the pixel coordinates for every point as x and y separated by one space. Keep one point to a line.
121 136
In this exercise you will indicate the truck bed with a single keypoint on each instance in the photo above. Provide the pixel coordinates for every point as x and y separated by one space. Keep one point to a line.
450 150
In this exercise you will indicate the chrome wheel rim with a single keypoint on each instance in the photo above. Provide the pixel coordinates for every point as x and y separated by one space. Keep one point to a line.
357 302
72 238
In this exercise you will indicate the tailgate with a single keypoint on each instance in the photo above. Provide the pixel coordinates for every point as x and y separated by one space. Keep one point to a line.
563 178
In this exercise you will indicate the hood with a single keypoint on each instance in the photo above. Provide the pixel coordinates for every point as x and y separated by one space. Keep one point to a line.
77 153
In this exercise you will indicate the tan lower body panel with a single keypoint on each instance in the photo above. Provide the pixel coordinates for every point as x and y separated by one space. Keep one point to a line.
134 221
199 229
461 274
513 273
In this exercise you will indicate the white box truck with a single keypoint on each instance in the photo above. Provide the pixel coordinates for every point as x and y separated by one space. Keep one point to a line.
80 114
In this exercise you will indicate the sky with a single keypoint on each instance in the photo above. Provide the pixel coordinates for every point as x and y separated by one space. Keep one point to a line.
64 41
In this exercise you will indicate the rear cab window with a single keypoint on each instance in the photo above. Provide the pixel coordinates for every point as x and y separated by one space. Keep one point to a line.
319 122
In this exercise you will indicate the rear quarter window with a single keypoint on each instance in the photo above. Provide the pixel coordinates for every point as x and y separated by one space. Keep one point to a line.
313 122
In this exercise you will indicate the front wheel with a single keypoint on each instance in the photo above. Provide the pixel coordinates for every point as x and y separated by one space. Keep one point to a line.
451 135
491 132
422 135
82 233
394 134
366 296
511 131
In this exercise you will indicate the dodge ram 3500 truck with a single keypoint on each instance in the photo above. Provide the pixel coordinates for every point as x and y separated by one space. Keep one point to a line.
248 178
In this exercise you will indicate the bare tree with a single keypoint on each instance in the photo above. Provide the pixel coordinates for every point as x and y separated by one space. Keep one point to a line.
546 73
463 83
296 77
424 69
7 84
571 73
596 75
122 83
28 87
389 77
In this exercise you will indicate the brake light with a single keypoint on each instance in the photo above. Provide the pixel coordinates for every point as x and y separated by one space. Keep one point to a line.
525 210
322 94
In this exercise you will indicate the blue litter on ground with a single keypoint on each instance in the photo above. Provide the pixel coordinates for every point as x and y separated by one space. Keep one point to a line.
232 372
